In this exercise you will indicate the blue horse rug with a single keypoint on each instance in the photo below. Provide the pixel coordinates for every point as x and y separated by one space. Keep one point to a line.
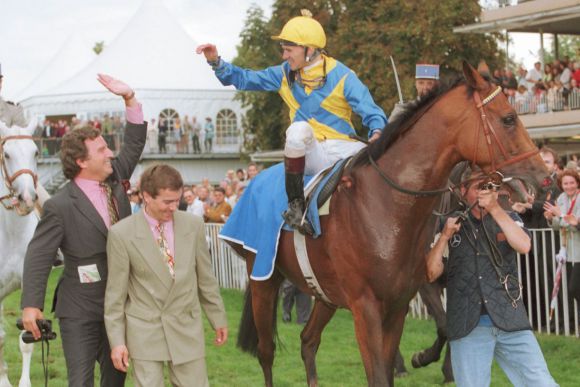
256 221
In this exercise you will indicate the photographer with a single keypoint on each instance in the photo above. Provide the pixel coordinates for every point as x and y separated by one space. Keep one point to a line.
486 318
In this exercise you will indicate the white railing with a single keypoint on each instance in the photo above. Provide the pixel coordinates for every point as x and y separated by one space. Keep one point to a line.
546 102
535 273
229 268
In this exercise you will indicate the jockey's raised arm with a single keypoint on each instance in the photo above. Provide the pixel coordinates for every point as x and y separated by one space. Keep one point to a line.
321 94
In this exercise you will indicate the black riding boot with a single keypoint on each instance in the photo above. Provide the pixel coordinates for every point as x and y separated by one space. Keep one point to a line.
294 169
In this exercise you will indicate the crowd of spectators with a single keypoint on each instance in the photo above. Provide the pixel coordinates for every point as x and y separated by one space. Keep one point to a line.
213 202
52 131
180 135
554 87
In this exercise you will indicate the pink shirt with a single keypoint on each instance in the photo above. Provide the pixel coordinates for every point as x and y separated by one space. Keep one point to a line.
134 114
97 197
92 189
167 231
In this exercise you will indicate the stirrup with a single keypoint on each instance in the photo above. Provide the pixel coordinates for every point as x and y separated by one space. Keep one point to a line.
294 217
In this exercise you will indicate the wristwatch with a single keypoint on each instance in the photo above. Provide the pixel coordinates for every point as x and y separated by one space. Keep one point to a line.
215 63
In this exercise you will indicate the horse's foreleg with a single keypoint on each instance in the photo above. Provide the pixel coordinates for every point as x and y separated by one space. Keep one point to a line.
264 306
400 369
369 333
311 336
392 331
4 382
26 351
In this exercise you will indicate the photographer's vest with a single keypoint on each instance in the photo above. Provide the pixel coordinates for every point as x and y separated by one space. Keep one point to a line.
473 286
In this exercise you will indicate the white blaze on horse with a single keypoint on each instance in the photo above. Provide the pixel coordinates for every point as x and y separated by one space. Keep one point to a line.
18 197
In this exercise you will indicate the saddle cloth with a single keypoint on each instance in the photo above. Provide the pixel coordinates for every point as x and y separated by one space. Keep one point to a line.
256 221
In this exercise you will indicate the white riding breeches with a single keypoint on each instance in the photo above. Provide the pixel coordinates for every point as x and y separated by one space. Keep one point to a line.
300 141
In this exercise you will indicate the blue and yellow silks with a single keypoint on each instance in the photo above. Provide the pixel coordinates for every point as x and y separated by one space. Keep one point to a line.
327 109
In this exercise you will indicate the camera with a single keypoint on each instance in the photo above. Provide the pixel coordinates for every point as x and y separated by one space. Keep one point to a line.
45 327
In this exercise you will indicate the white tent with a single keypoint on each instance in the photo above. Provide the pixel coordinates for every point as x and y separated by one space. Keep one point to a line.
154 55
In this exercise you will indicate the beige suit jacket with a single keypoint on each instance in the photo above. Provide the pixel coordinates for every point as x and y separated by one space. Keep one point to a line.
156 317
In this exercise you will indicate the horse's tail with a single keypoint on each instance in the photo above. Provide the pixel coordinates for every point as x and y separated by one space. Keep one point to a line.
248 333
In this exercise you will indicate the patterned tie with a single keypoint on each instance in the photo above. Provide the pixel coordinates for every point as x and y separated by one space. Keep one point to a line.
165 251
113 215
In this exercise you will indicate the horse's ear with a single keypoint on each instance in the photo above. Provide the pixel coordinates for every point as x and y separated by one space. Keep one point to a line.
474 80
31 128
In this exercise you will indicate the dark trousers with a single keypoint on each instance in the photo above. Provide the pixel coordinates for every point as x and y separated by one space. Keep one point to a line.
207 144
290 292
196 147
85 342
161 140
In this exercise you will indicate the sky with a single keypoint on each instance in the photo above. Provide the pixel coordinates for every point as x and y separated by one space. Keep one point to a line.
33 31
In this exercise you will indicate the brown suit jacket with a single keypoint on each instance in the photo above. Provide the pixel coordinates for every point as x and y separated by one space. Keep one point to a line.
156 317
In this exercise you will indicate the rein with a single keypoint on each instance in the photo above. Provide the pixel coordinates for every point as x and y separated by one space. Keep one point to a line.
489 133
7 200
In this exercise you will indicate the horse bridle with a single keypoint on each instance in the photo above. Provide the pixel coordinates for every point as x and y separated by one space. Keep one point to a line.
489 133
9 179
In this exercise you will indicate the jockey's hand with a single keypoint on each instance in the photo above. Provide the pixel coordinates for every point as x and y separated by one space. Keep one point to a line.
29 317
451 227
209 50
375 136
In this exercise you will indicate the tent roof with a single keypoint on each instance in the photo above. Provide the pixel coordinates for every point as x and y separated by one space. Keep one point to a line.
153 51
548 16
72 56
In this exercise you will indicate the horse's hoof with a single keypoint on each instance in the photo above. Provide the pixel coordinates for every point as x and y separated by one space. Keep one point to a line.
416 360
401 374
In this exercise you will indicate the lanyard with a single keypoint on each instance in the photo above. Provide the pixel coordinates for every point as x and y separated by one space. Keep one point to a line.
572 204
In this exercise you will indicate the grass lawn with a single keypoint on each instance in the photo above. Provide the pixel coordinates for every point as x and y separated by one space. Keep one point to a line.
338 361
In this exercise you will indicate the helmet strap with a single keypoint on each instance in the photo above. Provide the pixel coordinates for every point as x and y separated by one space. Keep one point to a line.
315 54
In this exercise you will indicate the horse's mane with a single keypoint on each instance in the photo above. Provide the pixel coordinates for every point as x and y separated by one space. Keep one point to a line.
404 121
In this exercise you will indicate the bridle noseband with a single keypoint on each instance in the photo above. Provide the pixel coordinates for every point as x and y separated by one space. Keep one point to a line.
6 200
489 133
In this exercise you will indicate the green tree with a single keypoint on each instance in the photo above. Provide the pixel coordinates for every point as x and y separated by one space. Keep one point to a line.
266 119
99 47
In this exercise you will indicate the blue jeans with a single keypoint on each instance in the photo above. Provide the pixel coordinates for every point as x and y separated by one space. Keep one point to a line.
517 353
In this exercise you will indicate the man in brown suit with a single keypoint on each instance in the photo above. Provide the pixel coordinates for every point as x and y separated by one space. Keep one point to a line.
160 277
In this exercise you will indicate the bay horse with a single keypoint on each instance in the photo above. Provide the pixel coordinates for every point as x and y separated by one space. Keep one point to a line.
18 197
370 257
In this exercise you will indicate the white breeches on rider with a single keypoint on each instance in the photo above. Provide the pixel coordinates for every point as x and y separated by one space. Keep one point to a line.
300 141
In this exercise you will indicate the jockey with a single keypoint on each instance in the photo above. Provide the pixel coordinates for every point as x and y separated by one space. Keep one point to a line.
321 94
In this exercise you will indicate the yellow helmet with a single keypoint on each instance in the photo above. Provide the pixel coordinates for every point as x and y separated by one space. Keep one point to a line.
303 31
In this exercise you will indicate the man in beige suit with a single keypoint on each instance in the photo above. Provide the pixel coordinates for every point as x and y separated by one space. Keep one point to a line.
160 277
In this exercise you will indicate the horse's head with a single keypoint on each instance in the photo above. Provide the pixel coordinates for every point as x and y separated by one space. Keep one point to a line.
18 165
493 137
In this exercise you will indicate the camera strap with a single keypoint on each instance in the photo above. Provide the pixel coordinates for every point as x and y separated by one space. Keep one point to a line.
45 361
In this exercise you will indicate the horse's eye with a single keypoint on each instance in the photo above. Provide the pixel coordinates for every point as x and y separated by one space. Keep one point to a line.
509 120
6 156
36 154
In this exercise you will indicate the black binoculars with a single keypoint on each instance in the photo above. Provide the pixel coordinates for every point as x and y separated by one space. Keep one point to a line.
46 332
